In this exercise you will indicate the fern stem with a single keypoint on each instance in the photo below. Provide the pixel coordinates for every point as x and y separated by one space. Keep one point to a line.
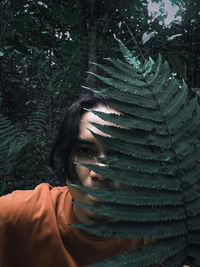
176 160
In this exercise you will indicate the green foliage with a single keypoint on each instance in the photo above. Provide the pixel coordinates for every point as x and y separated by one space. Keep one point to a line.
35 72
11 143
157 156
26 152
151 253
50 43
45 48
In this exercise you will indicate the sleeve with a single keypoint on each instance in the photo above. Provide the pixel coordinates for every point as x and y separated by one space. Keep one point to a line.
11 206
18 212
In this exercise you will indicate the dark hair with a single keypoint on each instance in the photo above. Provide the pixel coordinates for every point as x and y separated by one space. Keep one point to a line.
64 147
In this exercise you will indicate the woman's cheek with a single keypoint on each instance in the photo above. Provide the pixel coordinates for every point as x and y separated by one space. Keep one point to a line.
83 174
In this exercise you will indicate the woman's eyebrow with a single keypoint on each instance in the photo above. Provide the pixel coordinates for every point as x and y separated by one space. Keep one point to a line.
85 142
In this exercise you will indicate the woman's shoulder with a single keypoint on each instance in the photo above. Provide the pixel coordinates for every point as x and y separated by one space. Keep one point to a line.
23 204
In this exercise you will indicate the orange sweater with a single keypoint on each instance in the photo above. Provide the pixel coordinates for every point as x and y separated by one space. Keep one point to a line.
34 232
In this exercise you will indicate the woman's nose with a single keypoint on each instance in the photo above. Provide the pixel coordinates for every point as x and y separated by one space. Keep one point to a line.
95 175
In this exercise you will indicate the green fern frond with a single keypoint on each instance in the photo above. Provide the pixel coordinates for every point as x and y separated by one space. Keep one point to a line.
38 119
158 81
128 56
147 69
126 163
194 237
178 100
194 224
133 87
137 151
123 67
136 230
136 178
192 128
138 214
136 196
136 137
126 121
193 253
124 77
170 91
184 117
138 111
12 140
170 248
191 178
155 70
157 156
192 192
18 147
125 97
175 260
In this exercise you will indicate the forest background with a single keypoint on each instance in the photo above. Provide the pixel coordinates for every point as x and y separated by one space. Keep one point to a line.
45 52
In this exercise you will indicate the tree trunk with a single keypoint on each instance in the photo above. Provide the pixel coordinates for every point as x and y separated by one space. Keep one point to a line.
92 49
87 29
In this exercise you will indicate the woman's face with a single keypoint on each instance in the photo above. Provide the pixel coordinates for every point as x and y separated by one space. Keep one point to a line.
89 147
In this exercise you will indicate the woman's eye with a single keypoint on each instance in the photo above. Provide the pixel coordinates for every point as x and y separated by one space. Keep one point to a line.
86 151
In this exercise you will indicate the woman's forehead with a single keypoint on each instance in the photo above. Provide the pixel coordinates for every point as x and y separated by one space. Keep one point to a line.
86 127
89 116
